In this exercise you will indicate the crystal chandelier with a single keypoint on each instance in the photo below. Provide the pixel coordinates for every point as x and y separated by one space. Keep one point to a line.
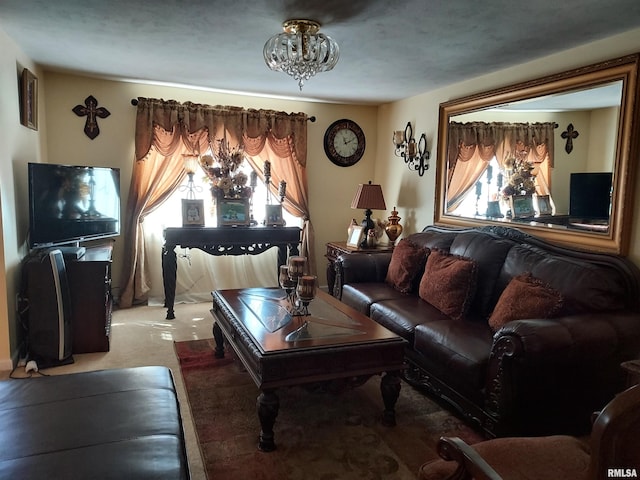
301 51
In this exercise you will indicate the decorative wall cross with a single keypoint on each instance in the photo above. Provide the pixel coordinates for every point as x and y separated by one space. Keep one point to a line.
92 112
569 134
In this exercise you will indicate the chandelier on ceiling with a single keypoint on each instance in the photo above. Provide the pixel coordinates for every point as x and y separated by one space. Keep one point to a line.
301 51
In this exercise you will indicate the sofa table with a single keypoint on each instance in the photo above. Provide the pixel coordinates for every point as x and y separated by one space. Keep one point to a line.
335 249
223 241
280 350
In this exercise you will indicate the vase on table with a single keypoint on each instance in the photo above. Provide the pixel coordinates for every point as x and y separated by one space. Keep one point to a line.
393 229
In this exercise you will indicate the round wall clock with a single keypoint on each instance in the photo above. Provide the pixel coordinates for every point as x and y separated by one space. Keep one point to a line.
344 142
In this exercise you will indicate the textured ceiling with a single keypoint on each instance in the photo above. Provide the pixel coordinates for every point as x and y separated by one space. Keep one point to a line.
389 49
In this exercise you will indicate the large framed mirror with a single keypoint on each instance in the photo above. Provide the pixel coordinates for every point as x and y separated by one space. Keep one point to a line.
553 156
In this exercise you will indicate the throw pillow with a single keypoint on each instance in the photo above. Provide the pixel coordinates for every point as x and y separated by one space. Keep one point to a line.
525 297
407 261
448 283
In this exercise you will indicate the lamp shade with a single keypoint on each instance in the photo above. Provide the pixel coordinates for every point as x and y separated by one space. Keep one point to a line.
190 162
369 197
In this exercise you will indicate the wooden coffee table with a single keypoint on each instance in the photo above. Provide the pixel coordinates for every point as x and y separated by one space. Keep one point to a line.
279 350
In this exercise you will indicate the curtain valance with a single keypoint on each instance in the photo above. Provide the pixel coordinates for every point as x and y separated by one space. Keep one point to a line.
236 123
506 140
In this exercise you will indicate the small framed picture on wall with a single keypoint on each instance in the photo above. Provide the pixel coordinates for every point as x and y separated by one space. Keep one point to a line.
29 100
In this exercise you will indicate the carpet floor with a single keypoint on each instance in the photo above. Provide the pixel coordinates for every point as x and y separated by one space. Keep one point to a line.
320 434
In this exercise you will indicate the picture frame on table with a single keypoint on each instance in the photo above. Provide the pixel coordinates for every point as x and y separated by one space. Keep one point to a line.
232 212
29 100
273 215
522 206
493 209
356 236
192 213
544 205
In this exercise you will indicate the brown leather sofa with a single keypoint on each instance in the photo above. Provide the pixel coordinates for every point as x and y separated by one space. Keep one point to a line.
121 423
531 376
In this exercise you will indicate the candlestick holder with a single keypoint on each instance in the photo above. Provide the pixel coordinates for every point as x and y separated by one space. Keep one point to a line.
287 283
305 293
296 268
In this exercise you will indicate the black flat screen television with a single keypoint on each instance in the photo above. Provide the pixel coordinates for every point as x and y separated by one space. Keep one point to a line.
69 204
590 195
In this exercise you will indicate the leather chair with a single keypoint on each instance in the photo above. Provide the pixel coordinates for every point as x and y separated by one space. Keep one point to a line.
613 444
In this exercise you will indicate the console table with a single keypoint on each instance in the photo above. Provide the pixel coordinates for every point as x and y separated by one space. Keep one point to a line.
222 241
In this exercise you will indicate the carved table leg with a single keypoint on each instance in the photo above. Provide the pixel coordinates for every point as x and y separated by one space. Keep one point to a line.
390 388
169 272
219 338
282 257
268 406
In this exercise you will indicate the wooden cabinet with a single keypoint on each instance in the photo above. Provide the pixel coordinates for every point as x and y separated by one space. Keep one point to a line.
335 249
91 301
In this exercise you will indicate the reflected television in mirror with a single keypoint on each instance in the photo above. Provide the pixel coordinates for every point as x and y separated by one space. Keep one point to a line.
590 197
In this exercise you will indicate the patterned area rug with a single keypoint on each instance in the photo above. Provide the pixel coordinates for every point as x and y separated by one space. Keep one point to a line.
320 434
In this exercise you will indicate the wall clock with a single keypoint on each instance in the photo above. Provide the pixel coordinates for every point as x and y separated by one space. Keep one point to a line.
344 142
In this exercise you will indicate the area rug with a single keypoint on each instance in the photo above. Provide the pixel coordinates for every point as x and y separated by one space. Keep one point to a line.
320 433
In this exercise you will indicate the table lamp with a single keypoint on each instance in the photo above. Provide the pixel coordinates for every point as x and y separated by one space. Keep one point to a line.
368 197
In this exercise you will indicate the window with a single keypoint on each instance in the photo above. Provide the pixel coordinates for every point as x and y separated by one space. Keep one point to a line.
201 273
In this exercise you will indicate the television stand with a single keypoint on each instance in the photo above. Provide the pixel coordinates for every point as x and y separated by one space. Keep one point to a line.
89 279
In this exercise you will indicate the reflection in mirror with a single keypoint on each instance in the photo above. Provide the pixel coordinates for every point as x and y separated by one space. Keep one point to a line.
526 161
557 148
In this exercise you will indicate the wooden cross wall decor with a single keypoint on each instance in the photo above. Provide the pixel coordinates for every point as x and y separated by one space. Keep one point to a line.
91 110
569 134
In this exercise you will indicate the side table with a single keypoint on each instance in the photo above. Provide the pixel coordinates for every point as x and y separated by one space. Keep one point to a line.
335 249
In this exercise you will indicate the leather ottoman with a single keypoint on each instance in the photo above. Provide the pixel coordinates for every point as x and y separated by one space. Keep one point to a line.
115 424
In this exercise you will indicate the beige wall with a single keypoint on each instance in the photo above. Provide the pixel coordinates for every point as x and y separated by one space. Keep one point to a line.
415 195
19 146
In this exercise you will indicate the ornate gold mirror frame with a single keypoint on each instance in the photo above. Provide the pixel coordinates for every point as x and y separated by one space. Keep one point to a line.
625 70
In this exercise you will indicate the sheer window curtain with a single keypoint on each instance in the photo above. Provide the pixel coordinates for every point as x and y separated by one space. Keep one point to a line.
167 129
473 145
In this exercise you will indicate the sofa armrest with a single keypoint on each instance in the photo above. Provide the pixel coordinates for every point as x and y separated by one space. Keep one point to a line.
571 338
360 268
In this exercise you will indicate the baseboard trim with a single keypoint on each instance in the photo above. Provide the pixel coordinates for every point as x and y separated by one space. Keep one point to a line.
7 363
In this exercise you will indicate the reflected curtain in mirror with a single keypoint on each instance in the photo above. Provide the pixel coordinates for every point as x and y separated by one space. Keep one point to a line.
602 98
473 145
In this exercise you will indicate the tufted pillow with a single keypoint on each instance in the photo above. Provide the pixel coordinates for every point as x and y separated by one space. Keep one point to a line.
407 261
448 283
525 297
